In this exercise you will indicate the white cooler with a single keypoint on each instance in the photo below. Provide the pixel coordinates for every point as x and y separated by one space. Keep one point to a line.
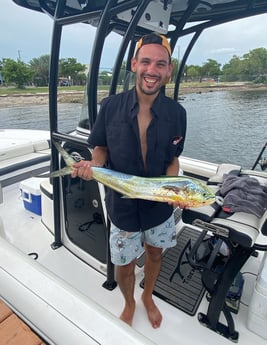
257 314
31 194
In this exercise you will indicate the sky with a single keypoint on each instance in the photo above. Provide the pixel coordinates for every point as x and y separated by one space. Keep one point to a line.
27 35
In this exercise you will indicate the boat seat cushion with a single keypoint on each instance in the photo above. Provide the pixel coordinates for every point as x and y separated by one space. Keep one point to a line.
41 145
20 147
222 170
244 227
242 210
18 150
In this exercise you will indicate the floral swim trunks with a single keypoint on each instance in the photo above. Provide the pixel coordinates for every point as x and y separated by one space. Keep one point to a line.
127 246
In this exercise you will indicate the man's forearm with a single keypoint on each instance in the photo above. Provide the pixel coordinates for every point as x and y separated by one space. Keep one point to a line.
173 168
99 156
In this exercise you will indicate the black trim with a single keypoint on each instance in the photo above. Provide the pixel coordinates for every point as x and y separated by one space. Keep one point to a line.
33 172
23 165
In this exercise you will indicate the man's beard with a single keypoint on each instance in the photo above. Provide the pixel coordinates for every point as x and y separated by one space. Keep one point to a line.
148 91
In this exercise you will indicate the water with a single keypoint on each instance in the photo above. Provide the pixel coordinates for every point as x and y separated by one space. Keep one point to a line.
224 126
37 117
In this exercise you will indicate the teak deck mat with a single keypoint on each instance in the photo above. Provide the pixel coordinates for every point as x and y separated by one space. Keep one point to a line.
178 283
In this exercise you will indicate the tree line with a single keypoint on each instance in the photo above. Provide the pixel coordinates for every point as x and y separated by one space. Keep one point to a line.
251 67
36 72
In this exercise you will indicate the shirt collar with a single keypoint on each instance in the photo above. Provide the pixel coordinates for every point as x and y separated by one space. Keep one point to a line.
154 107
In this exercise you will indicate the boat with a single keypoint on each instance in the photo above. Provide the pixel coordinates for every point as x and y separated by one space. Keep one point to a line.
55 267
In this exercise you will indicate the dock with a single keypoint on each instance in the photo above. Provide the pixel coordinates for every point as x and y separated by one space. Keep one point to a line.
13 331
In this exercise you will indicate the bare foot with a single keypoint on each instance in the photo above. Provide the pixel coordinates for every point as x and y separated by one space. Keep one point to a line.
153 312
128 314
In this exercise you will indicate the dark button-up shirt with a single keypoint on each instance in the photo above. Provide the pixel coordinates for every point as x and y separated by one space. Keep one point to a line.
116 128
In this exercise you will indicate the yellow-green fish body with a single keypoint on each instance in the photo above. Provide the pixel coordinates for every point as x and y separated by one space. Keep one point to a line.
189 191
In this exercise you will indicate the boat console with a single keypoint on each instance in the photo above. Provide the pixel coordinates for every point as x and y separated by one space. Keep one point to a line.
23 155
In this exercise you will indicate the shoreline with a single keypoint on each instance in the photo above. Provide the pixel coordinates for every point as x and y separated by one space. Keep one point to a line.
27 99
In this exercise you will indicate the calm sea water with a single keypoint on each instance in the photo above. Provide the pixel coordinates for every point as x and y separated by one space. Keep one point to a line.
37 117
224 126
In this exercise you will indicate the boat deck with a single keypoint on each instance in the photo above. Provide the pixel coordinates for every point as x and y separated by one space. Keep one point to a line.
13 330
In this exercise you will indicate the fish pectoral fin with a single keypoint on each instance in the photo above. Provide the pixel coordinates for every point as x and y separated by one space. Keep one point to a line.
174 189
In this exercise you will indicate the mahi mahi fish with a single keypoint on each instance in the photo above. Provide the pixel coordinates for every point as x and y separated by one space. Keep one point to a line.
189 191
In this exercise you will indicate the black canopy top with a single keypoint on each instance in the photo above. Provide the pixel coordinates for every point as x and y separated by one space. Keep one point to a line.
174 12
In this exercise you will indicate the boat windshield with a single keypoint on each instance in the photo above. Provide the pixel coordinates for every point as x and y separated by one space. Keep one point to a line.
126 81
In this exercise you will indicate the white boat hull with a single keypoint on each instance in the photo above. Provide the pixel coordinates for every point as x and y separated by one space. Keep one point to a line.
60 294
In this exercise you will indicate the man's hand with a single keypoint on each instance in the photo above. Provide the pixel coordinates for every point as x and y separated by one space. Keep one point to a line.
176 204
82 169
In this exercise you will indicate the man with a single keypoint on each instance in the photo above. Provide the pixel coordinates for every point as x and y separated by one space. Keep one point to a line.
139 132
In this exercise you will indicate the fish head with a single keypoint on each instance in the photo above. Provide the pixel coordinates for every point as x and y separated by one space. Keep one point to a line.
198 194
191 193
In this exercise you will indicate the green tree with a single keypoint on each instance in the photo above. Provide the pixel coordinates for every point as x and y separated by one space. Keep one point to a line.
256 63
175 63
234 70
122 75
1 67
251 66
104 78
71 68
193 72
211 69
80 79
16 72
40 66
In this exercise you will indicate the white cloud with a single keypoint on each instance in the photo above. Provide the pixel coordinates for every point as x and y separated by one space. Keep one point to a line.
28 34
224 51
235 38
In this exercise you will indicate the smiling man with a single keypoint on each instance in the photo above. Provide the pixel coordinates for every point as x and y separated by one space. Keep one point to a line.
139 132
152 64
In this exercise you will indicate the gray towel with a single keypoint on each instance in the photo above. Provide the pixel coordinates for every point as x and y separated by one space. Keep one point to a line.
243 194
